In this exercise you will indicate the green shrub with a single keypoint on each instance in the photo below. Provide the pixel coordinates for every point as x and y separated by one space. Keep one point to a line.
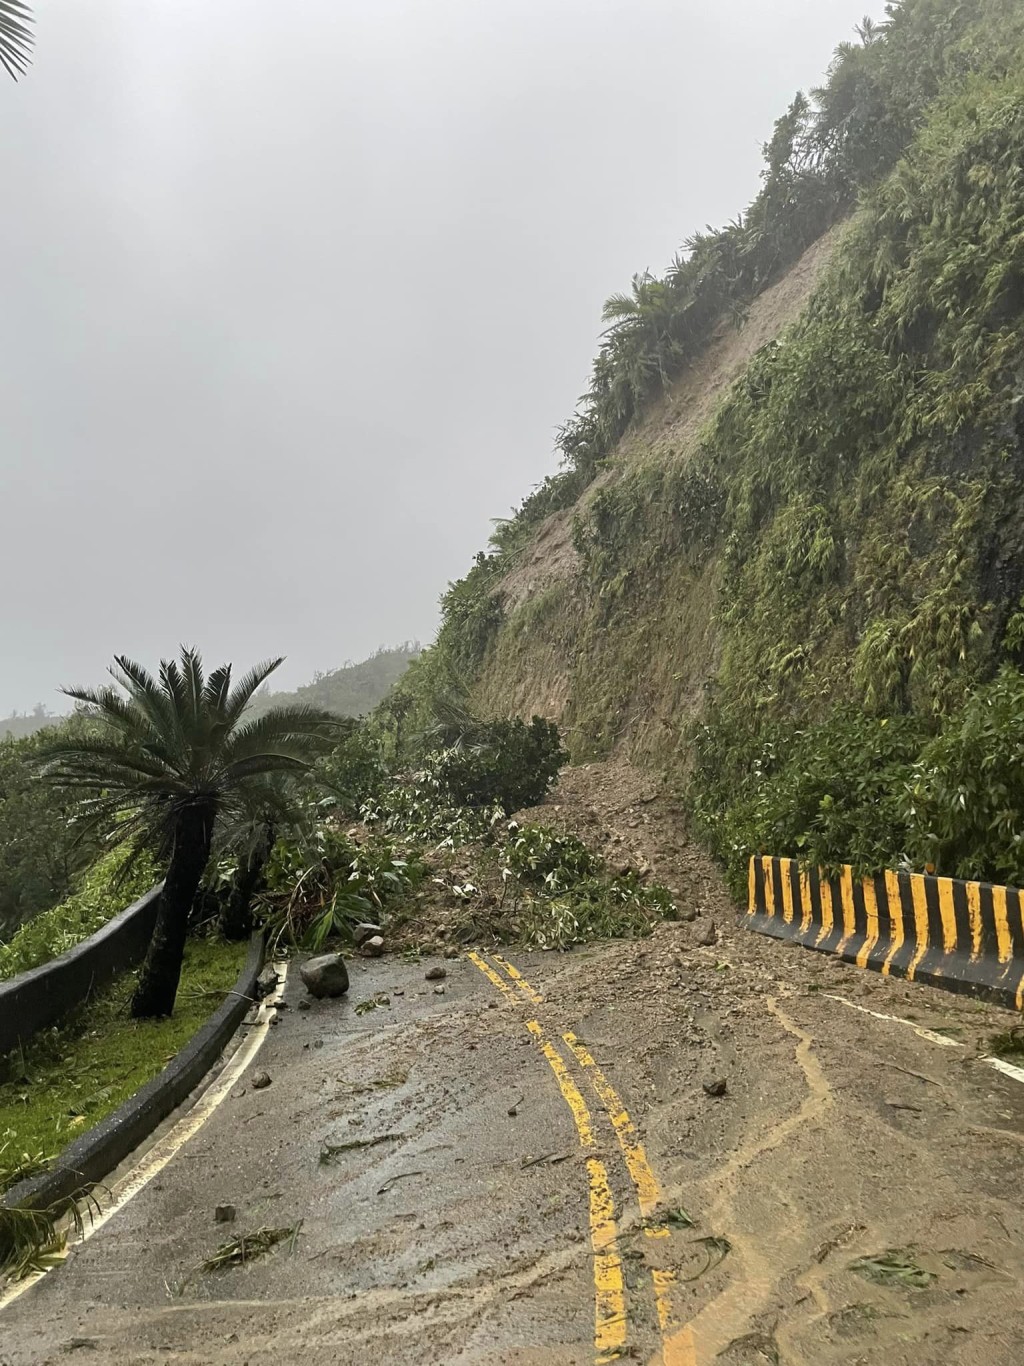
107 888
323 884
828 794
43 847
354 772
623 907
568 895
875 792
512 766
419 809
963 806
539 857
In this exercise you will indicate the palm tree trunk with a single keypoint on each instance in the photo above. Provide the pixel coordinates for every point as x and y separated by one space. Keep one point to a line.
158 979
236 920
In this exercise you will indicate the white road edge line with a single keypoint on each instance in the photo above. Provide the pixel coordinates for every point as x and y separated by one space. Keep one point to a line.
157 1157
1008 1069
923 1033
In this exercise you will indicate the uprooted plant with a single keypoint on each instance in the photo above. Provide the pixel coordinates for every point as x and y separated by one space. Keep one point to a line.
35 1239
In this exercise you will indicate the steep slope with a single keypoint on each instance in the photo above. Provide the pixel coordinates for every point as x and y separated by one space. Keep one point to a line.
784 564
545 597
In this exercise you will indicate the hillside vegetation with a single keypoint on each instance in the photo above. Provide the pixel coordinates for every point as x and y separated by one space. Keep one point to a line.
783 564
352 690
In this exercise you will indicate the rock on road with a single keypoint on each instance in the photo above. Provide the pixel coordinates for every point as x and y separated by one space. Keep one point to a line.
545 1178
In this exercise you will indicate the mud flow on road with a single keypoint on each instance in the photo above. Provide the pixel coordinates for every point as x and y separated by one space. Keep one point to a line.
661 1151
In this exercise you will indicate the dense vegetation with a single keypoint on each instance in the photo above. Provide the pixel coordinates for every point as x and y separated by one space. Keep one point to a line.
43 848
105 889
812 616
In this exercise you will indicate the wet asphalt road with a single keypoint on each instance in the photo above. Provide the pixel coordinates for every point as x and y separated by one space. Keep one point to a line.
546 1179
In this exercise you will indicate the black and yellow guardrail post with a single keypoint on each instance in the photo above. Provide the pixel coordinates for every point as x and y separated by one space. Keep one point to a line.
965 936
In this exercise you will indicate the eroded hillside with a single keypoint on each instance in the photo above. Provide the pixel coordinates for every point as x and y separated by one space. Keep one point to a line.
783 563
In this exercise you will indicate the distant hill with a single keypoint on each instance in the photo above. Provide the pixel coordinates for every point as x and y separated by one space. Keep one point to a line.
352 690
16 726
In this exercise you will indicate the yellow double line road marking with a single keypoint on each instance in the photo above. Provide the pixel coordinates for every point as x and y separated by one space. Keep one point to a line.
609 1289
678 1347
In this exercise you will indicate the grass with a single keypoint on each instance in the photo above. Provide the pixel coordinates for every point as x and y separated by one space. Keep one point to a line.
1009 1046
71 1077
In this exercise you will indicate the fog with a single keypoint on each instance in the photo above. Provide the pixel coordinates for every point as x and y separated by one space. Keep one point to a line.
295 296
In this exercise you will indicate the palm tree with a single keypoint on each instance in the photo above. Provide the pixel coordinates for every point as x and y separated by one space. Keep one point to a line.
15 37
165 759
270 807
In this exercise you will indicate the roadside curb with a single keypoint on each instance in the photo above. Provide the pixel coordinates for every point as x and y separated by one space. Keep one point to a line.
90 1158
965 937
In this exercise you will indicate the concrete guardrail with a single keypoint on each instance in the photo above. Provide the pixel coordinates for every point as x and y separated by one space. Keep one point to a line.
38 998
90 1158
965 936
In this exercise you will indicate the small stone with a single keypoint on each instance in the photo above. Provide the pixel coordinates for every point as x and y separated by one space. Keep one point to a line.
75 1344
363 932
374 946
304 1004
436 974
325 976
451 952
688 914
717 1087
261 1081
224 1214
492 1005
708 935
439 991
266 982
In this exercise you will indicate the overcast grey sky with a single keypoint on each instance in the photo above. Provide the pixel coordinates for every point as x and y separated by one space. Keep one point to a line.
295 295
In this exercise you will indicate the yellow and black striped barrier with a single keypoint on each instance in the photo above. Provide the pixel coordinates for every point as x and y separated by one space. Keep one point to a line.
964 936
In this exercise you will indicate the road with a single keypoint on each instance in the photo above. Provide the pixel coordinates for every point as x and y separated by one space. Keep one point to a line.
549 1181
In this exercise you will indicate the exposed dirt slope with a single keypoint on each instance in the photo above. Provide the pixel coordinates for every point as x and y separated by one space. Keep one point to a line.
671 425
632 685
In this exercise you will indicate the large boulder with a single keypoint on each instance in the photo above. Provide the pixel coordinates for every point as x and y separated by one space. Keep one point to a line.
325 976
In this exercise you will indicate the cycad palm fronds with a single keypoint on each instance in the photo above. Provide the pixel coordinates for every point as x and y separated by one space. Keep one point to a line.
169 755
15 37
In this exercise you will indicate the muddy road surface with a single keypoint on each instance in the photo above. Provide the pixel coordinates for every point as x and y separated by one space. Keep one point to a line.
531 1169
701 1148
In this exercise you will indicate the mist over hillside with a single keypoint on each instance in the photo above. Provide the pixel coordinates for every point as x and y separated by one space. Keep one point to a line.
352 690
